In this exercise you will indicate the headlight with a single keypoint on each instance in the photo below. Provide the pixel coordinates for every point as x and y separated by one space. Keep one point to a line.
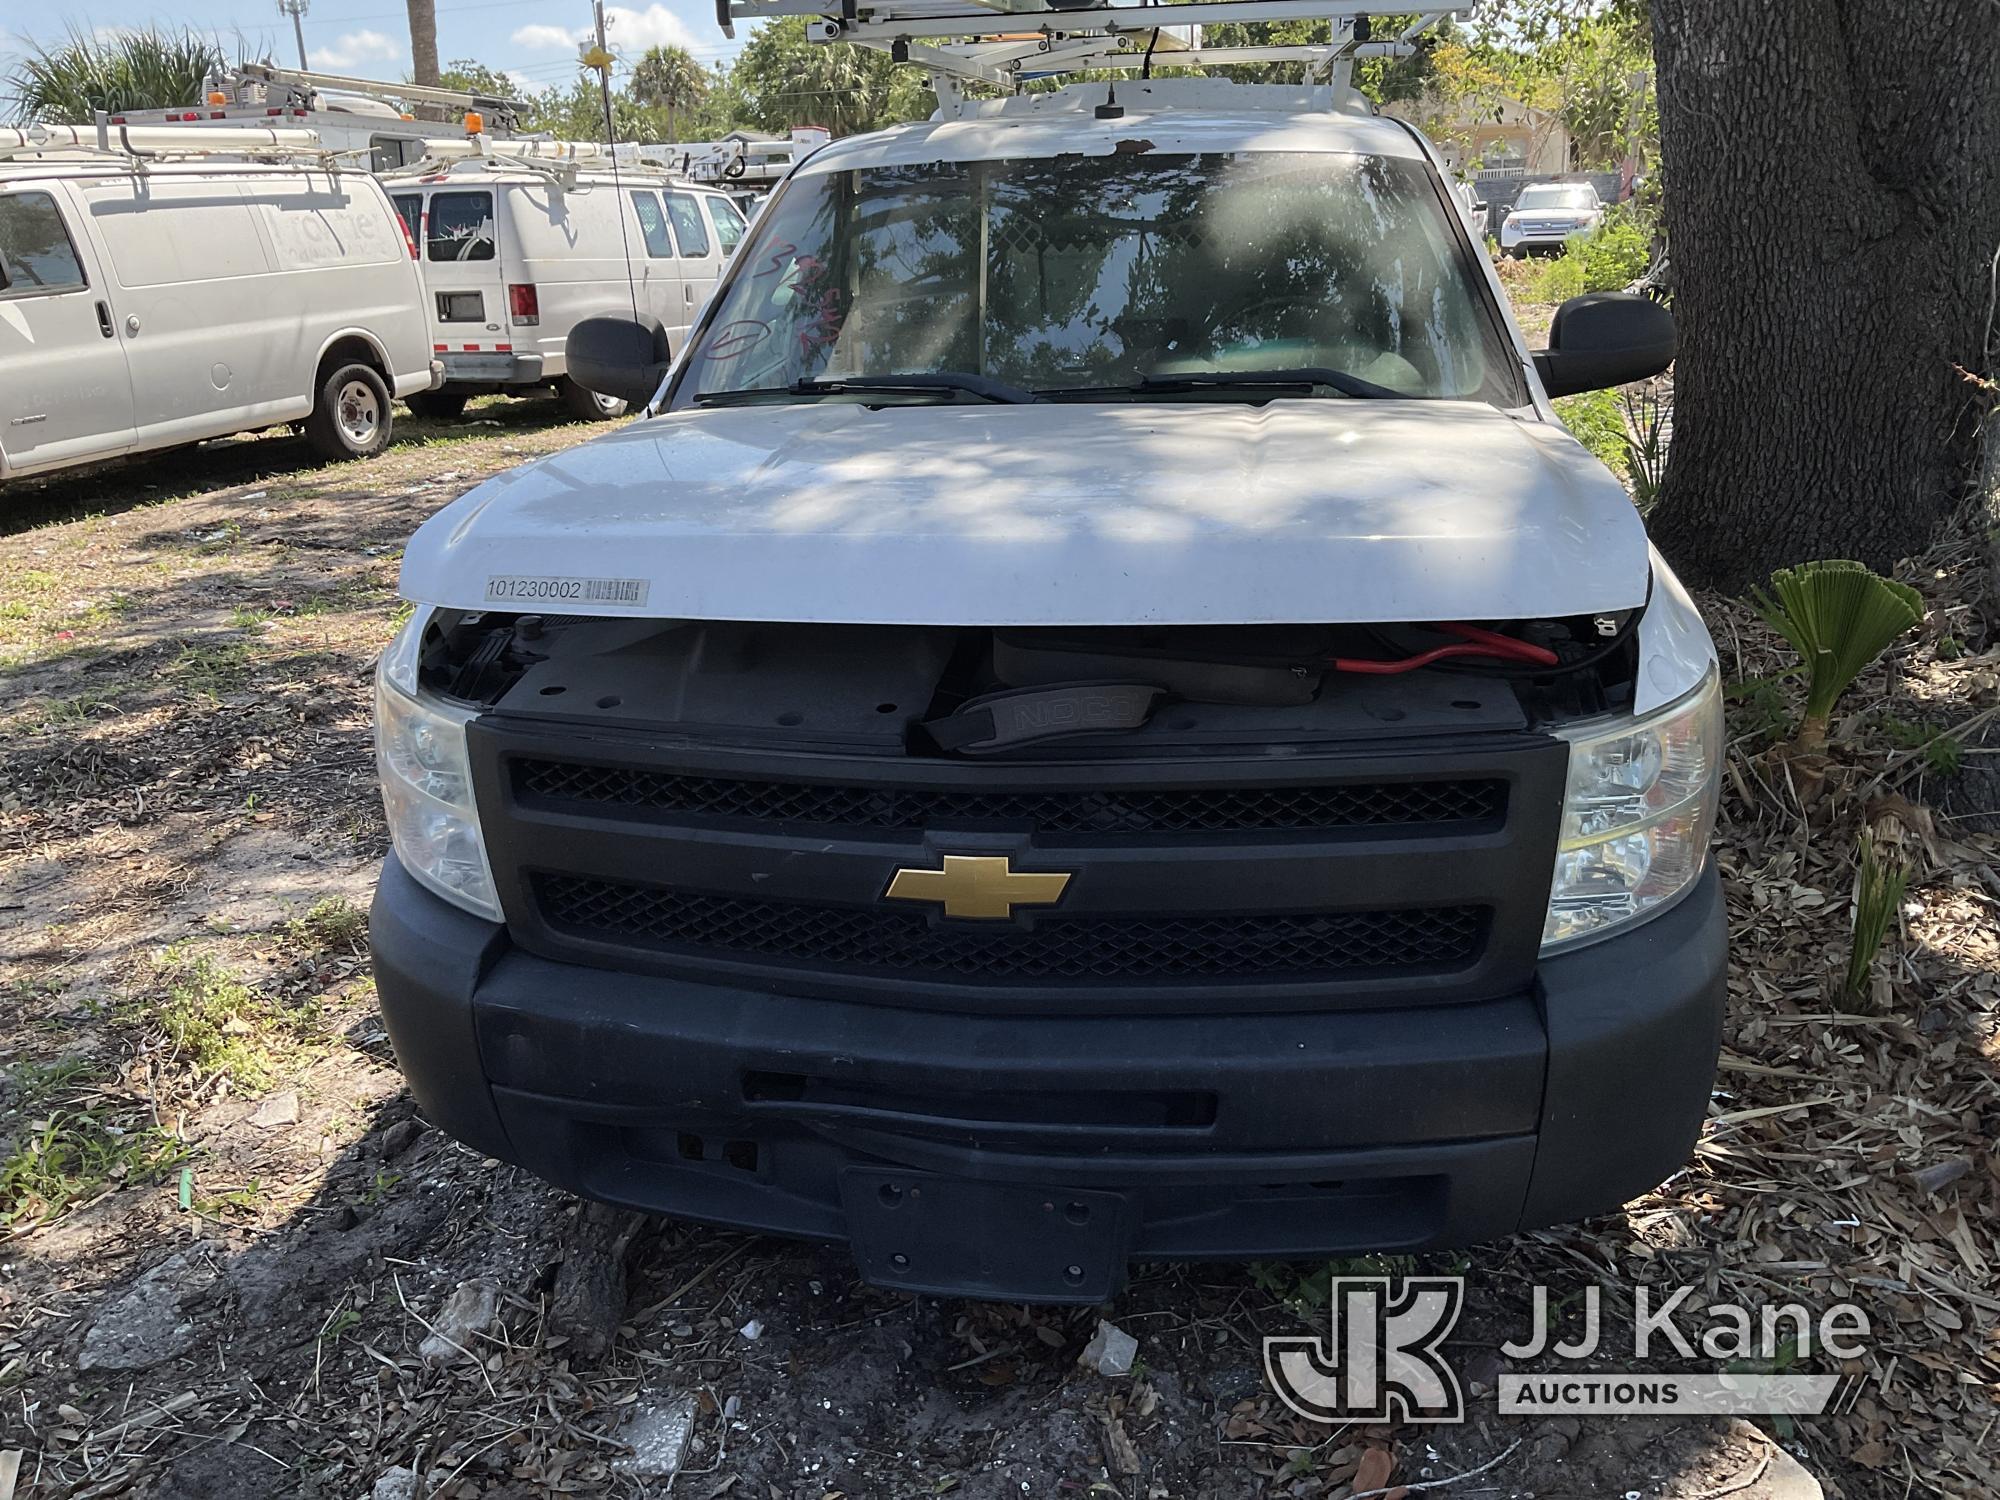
427 781
1637 814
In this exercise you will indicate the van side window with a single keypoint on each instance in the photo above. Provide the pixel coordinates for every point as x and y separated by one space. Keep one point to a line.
729 223
410 209
688 226
653 224
461 227
35 250
387 152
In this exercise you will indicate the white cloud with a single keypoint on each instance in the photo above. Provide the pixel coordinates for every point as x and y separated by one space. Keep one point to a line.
539 38
357 47
631 32
635 30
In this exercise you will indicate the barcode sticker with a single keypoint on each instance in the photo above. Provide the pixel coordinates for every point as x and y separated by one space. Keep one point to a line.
516 590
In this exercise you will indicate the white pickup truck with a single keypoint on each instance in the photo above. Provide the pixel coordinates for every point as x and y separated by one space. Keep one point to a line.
1097 715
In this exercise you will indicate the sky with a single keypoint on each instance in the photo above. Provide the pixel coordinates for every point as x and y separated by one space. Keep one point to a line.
534 41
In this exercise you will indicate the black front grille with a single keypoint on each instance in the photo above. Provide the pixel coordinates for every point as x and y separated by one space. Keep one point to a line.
1089 811
1079 950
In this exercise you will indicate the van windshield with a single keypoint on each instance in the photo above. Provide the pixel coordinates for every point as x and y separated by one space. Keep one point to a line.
1090 276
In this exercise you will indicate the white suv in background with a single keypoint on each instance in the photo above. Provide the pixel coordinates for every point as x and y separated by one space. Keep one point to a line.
1548 213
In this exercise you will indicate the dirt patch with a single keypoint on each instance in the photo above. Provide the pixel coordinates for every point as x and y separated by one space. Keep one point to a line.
228 1294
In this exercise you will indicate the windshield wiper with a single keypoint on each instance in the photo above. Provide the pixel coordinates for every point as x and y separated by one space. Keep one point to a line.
1305 375
935 380
1305 378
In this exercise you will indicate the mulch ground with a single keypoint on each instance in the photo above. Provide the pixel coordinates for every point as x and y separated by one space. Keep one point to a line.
226 1286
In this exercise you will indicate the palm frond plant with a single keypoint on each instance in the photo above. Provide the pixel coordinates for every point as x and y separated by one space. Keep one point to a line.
1878 893
1647 419
116 72
1839 616
669 78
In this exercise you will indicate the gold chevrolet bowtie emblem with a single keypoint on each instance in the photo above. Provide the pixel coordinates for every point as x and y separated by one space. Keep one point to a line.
978 885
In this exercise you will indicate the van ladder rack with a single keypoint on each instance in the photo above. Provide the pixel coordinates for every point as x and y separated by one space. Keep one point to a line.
141 142
1005 43
748 163
301 89
557 161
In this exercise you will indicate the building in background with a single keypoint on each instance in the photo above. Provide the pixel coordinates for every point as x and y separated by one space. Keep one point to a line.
1485 139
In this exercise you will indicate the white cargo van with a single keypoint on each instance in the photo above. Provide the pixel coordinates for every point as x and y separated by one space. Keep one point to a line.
516 253
147 304
1098 716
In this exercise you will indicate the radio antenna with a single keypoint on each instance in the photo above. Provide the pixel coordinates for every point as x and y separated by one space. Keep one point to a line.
599 57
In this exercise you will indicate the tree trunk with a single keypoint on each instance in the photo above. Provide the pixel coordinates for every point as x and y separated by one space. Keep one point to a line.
424 41
1833 206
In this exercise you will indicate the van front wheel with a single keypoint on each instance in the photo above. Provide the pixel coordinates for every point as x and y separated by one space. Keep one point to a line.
351 417
588 404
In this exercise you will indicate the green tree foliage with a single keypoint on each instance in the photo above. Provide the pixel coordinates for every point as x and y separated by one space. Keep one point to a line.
1616 253
1587 64
576 113
721 108
469 77
1383 79
778 81
669 79
786 80
124 70
1608 258
1595 421
569 112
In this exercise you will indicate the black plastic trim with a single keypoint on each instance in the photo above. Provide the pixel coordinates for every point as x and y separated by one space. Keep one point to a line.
430 959
1504 868
1247 1135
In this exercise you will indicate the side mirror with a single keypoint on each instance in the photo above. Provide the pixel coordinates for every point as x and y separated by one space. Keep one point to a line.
1604 339
622 357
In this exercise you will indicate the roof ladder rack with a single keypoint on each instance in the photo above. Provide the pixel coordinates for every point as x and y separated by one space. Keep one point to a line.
302 88
1006 43
558 161
138 142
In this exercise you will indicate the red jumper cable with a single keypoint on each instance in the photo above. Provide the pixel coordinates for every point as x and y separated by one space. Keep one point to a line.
1474 642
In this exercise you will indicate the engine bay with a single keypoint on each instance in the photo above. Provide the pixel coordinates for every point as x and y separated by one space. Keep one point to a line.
976 691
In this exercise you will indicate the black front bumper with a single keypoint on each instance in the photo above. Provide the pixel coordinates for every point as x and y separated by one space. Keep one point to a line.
1176 1136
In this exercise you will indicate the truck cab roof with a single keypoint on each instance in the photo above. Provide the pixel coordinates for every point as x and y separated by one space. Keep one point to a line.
1167 115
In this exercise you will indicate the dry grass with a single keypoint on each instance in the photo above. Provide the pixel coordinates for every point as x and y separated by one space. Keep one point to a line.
188 766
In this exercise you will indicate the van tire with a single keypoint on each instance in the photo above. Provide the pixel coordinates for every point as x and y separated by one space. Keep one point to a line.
588 405
437 406
350 418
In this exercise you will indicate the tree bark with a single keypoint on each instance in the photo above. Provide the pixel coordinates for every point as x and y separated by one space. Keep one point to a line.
423 41
1833 206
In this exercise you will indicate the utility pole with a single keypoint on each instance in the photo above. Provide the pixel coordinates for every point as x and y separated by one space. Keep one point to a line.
296 9
599 57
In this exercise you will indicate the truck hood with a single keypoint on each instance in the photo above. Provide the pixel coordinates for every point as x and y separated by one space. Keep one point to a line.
1049 514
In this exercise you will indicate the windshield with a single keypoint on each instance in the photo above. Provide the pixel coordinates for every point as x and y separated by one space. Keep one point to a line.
1554 195
1084 276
